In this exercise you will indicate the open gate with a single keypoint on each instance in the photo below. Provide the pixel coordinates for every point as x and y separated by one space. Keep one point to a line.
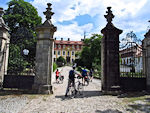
132 77
21 68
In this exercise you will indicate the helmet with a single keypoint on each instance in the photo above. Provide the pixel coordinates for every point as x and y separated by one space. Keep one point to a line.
73 67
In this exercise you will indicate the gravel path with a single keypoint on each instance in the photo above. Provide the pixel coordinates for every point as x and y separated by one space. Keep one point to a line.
92 101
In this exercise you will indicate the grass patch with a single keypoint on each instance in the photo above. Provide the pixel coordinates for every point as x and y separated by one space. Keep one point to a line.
133 99
44 99
32 96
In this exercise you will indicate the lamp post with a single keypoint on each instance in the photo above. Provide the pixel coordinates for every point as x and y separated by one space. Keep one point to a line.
26 52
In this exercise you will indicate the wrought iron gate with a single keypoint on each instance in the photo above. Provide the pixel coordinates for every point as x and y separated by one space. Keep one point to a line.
21 71
131 63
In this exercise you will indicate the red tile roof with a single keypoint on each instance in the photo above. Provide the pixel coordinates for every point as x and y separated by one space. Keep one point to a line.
68 42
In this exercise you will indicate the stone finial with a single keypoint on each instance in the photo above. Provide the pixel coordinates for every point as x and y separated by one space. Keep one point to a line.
1 15
109 15
2 23
1 12
48 13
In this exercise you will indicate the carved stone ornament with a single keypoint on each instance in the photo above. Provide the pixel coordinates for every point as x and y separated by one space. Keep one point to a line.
2 23
147 35
48 24
48 13
109 15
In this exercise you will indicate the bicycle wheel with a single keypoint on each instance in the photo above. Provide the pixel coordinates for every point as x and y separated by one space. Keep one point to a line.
71 92
61 80
80 88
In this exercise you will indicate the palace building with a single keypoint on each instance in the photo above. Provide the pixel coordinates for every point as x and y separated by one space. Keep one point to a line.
67 49
131 56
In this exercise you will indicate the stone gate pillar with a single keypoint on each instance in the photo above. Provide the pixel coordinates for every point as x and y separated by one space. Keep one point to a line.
4 46
44 54
146 58
110 54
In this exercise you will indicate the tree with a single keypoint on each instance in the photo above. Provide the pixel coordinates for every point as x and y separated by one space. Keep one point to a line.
22 18
90 56
60 61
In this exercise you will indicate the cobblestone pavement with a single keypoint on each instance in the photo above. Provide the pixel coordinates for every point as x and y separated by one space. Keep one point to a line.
92 101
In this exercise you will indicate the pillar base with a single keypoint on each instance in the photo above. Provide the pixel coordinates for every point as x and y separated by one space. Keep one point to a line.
113 90
148 88
43 89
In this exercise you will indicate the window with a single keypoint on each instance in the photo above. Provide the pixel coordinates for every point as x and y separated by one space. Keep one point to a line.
58 52
68 53
77 46
59 46
64 46
54 45
72 46
72 52
54 52
72 60
54 59
63 52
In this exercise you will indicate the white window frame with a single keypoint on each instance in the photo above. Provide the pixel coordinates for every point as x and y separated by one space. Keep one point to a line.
64 46
64 52
58 52
59 46
72 53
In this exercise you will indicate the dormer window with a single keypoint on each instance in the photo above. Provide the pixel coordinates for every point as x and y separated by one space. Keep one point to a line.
72 46
59 46
64 46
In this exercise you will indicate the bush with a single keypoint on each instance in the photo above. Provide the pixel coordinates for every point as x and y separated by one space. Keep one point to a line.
79 68
54 66
60 61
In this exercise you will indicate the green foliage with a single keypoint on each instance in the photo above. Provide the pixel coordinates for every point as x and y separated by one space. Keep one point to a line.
22 18
79 68
60 61
54 66
90 56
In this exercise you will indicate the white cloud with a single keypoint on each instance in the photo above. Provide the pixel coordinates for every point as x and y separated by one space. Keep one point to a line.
72 31
126 14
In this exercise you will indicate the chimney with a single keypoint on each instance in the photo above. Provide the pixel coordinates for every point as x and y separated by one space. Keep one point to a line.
82 39
61 39
68 39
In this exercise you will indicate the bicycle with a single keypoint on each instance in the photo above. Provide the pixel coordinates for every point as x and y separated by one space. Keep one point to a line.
79 89
87 80
60 79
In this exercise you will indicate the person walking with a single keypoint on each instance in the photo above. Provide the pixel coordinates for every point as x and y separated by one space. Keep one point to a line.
57 75
91 74
84 75
71 80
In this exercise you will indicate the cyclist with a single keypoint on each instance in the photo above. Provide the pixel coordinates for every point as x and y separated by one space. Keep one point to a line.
71 80
84 75
57 75
91 74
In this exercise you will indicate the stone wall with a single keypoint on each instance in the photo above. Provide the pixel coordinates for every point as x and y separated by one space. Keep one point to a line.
4 47
146 58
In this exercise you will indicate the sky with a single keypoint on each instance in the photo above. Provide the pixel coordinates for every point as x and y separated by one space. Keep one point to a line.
74 17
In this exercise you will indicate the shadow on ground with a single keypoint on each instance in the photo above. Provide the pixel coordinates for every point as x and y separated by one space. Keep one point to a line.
108 111
16 92
133 94
141 106
86 94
